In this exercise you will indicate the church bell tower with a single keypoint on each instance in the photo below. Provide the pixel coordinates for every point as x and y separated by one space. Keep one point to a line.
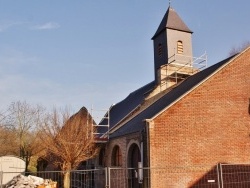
172 46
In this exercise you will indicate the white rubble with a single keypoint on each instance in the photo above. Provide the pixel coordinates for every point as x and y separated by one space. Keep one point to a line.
22 181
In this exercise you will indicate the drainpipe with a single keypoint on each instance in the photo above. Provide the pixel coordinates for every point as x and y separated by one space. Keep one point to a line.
140 164
148 125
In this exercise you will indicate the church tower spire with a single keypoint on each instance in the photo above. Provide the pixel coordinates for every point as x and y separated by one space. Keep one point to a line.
172 37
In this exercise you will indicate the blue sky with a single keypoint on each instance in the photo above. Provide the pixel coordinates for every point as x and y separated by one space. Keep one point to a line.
95 52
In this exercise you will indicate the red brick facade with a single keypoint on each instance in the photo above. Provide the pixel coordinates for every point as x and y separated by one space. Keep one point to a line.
209 125
185 142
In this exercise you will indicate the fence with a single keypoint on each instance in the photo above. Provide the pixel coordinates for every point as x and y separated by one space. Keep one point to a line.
235 175
219 176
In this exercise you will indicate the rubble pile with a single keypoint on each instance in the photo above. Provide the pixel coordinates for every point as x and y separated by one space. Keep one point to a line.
21 181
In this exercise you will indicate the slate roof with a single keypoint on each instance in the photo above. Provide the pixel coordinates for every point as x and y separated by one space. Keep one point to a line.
172 20
122 109
137 123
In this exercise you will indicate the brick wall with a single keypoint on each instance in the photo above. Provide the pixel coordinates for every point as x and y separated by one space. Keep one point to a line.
118 176
210 125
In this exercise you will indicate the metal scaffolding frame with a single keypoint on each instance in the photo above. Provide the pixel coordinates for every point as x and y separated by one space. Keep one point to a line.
179 67
100 130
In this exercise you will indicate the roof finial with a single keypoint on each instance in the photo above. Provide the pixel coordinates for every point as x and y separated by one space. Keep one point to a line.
169 3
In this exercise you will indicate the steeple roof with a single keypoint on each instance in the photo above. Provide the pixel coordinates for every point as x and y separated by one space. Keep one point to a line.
172 20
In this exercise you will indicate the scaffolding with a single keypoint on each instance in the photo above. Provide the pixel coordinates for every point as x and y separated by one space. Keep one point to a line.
179 67
101 129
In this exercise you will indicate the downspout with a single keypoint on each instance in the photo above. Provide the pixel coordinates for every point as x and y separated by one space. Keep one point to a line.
142 156
141 163
149 124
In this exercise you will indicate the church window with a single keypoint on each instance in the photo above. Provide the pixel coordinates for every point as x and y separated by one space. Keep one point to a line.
160 50
102 157
179 47
116 157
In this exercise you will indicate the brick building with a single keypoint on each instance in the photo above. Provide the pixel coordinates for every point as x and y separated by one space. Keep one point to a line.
189 116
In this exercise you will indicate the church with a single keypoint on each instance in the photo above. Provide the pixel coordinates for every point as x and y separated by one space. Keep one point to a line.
185 122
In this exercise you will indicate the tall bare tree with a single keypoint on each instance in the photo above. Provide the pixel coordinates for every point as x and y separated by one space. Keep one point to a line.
68 140
21 128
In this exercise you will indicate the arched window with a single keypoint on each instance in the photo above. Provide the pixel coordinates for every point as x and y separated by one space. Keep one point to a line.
159 50
179 47
134 156
116 157
102 157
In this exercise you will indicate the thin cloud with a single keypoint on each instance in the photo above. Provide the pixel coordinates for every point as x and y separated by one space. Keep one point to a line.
46 26
4 25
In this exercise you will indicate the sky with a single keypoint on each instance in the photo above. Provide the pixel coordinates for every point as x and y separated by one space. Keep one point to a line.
93 53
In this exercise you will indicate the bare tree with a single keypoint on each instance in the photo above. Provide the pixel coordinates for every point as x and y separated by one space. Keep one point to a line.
242 47
8 146
68 140
21 128
8 142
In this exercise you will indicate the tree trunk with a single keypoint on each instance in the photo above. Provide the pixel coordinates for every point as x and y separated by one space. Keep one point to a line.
66 180
27 161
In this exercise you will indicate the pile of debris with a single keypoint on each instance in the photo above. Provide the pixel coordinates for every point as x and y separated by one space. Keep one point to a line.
21 181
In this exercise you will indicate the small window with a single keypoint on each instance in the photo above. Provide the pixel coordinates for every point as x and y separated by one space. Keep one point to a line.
116 156
179 47
160 50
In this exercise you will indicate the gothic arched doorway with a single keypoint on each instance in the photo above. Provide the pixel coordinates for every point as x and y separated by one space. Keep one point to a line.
134 156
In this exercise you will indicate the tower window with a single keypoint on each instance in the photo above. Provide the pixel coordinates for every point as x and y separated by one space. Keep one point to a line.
160 50
179 47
